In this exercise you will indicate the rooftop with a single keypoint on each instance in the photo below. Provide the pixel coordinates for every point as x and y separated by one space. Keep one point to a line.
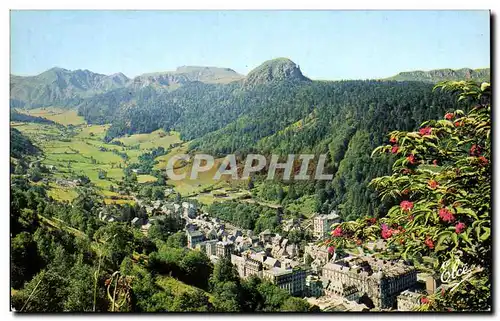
332 216
370 265
194 233
278 271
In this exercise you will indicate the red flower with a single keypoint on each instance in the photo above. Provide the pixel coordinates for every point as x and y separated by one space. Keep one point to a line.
449 116
435 162
433 184
411 159
405 191
406 206
483 160
458 123
393 140
424 300
395 149
337 231
475 150
372 220
425 131
331 250
429 243
459 228
446 215
386 234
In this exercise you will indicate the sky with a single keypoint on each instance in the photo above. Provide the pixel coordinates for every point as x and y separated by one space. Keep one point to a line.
325 44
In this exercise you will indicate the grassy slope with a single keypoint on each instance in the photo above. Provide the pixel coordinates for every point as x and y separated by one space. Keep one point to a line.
58 115
72 153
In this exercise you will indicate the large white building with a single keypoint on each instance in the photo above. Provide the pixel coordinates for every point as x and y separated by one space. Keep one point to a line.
292 280
322 224
193 238
378 280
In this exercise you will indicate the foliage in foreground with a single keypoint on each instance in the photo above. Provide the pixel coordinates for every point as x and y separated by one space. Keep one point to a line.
442 179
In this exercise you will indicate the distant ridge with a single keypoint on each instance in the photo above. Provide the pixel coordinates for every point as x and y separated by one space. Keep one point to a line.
438 75
275 70
59 85
184 74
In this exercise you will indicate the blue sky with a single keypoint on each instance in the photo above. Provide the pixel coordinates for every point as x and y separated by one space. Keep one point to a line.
326 44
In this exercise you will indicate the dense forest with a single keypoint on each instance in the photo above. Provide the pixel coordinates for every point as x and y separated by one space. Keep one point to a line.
20 145
247 216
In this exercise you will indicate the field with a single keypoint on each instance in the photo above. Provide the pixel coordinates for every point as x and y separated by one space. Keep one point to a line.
58 115
204 188
80 150
151 140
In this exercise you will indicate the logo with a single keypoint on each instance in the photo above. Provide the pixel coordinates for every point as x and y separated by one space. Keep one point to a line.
253 163
453 271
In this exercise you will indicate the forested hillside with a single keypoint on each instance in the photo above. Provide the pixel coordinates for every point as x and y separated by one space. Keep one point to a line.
20 145
344 119
16 116
276 109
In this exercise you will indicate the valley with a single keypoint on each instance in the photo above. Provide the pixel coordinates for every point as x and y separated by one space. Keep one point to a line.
71 147
250 161
89 187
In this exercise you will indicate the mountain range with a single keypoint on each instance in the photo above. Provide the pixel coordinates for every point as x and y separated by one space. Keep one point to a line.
59 86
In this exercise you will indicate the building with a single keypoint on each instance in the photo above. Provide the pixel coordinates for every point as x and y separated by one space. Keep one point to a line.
347 291
314 286
408 301
202 247
189 209
322 224
207 247
211 247
137 222
378 281
193 238
252 267
239 263
317 253
223 249
336 304
247 265
291 280
271 262
265 236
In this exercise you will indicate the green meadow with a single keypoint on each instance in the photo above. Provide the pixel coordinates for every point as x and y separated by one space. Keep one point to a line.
80 150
